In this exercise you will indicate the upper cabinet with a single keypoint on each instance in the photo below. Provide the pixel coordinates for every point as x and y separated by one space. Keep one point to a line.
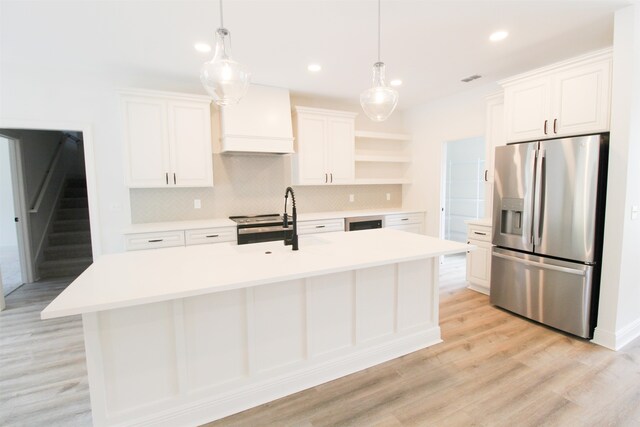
568 98
325 145
494 137
259 123
167 139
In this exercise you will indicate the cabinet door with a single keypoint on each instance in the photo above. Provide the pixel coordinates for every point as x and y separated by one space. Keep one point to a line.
495 137
312 149
190 143
479 265
581 98
526 110
145 125
340 150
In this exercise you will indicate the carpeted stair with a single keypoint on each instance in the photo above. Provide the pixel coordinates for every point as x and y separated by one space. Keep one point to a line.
69 249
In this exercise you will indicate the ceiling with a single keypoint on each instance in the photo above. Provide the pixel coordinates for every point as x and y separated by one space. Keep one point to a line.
430 45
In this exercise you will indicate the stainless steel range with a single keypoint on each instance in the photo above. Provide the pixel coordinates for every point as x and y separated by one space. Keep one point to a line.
261 228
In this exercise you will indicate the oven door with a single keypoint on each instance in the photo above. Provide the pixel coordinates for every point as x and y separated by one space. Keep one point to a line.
260 234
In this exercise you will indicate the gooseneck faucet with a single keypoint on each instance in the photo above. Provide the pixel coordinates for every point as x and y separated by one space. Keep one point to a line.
293 241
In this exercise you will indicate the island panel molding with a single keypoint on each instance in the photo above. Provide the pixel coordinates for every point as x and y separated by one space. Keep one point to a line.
202 358
187 335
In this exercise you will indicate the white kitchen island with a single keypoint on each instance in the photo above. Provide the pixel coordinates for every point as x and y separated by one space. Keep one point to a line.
186 335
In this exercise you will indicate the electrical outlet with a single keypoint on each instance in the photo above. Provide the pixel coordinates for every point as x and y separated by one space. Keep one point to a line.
635 212
352 198
388 196
197 204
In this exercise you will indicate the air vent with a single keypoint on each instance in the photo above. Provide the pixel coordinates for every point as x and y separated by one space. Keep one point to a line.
471 78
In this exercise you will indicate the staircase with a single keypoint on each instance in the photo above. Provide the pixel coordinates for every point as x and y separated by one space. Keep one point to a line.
69 249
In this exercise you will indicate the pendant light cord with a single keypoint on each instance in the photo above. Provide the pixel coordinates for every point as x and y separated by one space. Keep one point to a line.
378 30
221 16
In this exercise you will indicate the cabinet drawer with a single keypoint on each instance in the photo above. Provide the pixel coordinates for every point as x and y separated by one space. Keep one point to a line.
411 228
210 235
479 232
400 219
322 226
165 239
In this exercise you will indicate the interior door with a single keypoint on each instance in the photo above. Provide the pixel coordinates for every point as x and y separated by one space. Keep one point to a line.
513 196
568 190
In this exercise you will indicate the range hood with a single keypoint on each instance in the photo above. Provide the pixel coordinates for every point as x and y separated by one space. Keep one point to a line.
259 123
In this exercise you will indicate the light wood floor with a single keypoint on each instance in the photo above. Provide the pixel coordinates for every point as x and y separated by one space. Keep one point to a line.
492 369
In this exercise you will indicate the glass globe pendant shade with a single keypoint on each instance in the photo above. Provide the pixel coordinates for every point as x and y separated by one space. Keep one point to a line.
379 101
223 78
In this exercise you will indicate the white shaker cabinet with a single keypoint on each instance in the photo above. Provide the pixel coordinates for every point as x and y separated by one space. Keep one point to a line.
325 145
479 260
564 99
494 137
411 222
167 139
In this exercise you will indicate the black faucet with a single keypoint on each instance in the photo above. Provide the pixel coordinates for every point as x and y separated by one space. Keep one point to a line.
285 223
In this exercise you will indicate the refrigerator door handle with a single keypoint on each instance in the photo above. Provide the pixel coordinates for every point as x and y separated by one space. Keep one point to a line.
539 198
541 265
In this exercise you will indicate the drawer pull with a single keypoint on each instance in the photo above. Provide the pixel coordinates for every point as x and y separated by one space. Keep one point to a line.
320 226
211 235
479 233
404 219
155 240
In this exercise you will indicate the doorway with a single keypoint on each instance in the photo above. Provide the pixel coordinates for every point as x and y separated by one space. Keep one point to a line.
50 210
11 263
462 186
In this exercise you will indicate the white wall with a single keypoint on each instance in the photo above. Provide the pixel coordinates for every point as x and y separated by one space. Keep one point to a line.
456 117
619 313
7 225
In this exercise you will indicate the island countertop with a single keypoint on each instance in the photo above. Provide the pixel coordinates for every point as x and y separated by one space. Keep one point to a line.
143 277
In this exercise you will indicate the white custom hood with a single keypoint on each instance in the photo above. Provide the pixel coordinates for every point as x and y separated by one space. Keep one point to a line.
259 123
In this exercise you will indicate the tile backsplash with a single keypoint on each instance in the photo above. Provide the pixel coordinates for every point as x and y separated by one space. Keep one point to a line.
253 184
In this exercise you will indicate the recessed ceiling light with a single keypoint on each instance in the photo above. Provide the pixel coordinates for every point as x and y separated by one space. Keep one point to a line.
396 82
314 68
498 35
202 47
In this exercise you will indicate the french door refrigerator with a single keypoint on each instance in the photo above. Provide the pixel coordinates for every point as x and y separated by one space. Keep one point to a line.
548 219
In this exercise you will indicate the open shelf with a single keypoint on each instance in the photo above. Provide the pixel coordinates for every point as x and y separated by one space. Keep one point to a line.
382 158
382 135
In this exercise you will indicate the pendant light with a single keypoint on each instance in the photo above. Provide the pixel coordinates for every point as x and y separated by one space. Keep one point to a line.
379 101
223 78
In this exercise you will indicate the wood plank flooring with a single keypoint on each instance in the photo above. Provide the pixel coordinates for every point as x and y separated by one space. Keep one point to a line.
493 369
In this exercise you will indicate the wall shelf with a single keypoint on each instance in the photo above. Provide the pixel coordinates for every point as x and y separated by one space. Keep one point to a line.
382 158
383 135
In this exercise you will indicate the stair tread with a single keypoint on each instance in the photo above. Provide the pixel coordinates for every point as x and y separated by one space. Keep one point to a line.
69 246
67 233
68 262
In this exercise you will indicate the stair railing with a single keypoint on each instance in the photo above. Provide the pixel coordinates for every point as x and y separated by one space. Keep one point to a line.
46 181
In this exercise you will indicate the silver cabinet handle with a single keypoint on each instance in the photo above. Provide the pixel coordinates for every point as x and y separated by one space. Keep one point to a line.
166 177
174 178
320 226
479 233
545 126
331 177
404 219
212 235
541 265
326 178
155 240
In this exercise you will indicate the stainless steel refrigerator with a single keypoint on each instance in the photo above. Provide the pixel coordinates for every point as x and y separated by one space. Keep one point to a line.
548 220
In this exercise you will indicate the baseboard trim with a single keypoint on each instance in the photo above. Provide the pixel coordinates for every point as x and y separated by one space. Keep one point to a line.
216 407
617 340
477 288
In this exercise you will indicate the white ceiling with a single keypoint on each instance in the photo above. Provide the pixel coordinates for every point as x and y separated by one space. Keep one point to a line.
430 45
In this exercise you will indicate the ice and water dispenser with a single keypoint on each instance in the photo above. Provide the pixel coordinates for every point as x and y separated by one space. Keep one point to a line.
511 216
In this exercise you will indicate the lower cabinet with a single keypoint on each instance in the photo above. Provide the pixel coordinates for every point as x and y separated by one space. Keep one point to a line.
320 226
167 239
411 222
479 260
